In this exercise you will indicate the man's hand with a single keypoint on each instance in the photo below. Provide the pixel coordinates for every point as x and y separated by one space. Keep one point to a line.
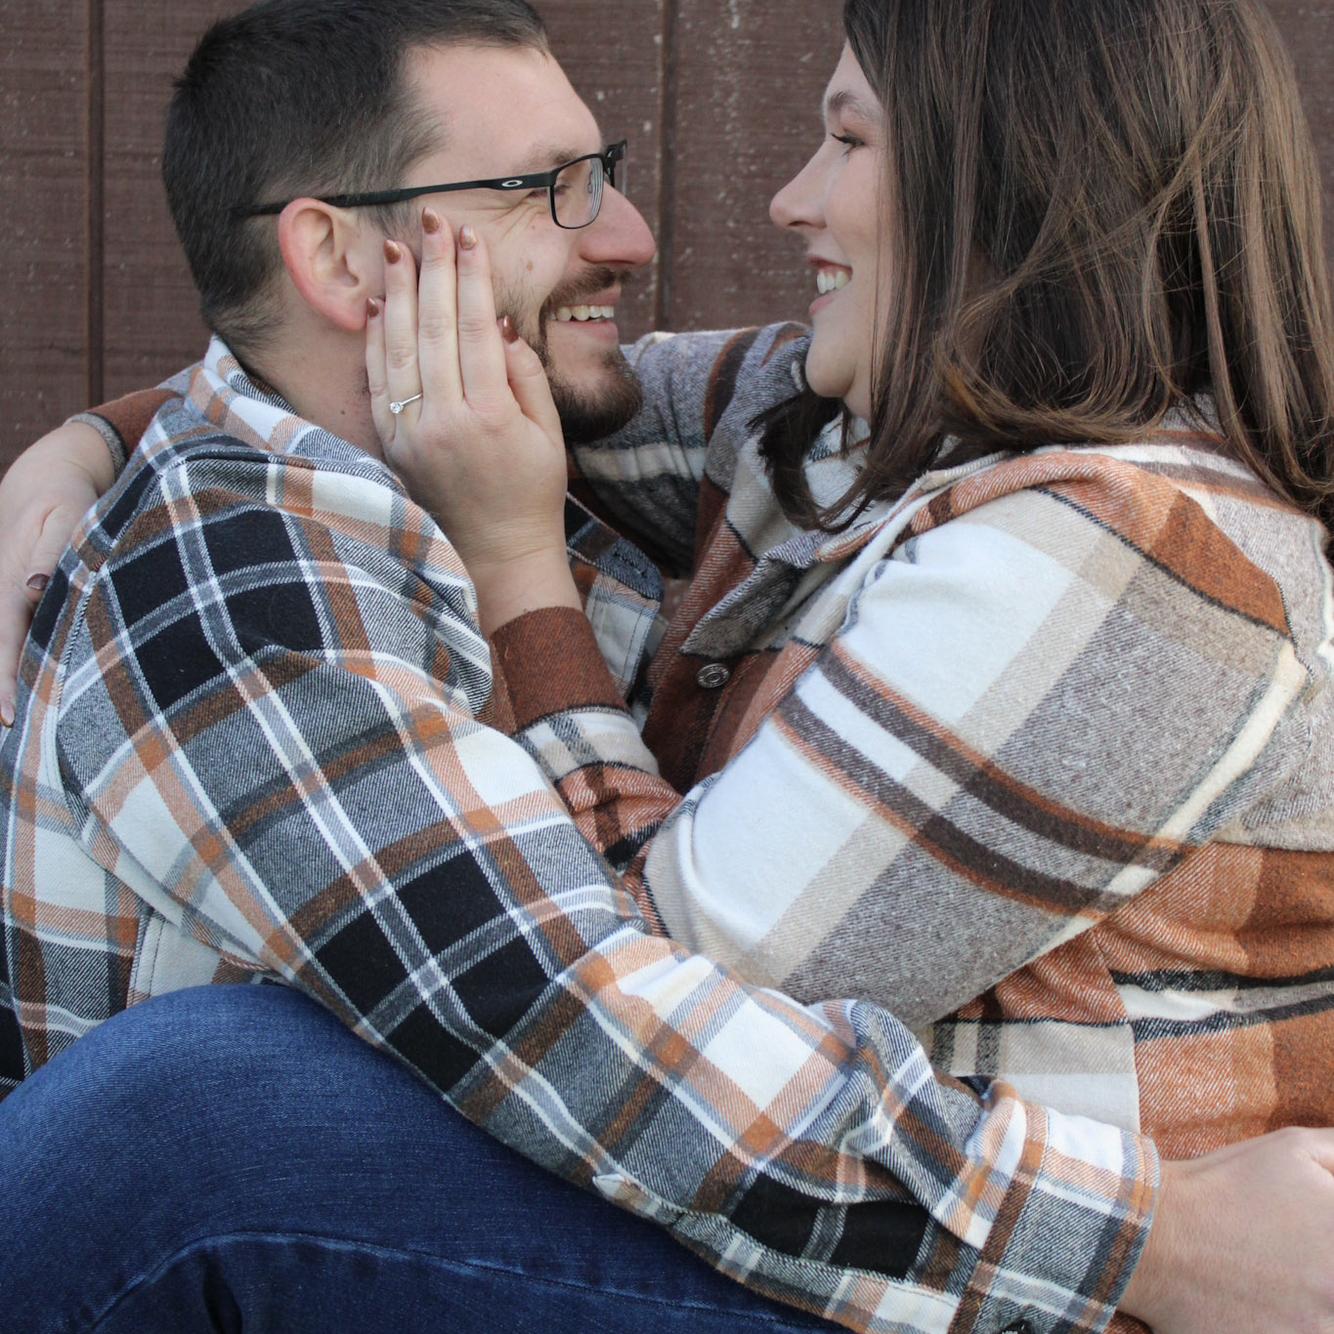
477 440
45 493
1243 1241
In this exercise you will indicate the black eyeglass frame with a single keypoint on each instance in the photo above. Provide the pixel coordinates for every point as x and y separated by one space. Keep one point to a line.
609 157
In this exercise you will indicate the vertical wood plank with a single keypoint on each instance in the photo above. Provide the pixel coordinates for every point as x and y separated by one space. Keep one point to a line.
748 77
152 324
43 216
614 57
1308 30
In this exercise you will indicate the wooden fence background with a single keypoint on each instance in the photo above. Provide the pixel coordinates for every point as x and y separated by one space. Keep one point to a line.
98 300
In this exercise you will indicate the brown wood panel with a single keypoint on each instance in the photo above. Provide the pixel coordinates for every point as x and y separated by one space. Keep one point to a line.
745 78
43 215
613 55
1308 30
151 321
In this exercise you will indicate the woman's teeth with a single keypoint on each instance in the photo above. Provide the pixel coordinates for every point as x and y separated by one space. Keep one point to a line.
566 313
831 280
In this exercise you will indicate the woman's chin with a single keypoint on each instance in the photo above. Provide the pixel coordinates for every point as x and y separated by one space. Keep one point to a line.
835 381
827 381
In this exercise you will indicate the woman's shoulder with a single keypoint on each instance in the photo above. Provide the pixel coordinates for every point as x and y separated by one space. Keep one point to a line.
1175 504
1135 489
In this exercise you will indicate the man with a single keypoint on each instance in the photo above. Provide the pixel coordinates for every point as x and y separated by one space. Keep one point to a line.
250 744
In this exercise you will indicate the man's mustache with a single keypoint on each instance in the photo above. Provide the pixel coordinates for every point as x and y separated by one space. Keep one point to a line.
592 283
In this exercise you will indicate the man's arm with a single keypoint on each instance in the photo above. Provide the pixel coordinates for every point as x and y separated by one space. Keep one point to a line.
650 480
411 869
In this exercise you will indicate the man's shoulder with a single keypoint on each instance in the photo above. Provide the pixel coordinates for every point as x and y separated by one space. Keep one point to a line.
188 475
210 551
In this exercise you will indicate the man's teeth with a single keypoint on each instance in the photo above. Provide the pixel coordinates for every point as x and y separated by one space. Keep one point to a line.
831 280
566 313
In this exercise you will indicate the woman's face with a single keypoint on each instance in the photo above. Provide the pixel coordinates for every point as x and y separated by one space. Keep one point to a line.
836 203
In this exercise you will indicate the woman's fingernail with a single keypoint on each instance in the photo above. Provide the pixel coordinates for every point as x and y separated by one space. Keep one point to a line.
393 252
430 221
6 713
38 583
467 237
507 330
372 308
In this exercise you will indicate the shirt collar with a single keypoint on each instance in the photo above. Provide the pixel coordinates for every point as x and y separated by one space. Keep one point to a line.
239 405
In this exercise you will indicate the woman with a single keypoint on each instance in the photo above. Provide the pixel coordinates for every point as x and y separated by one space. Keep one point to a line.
886 747
1016 716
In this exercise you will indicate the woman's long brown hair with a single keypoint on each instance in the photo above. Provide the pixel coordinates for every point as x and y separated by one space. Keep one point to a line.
1101 210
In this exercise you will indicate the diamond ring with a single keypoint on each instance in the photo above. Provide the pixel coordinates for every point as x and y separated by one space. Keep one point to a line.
398 406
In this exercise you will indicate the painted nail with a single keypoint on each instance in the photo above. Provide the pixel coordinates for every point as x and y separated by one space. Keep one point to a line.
393 252
38 583
467 237
430 221
372 308
507 330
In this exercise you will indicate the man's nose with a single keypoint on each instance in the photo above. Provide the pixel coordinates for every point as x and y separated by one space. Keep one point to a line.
619 235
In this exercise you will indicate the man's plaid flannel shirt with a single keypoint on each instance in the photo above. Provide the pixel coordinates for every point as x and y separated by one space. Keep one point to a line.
248 748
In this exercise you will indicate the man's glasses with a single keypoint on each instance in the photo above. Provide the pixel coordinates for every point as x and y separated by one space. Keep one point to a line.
574 189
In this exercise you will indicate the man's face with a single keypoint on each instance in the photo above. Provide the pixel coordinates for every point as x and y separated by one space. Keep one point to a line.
508 111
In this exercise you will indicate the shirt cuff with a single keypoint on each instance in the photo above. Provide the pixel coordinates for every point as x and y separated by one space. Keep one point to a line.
551 663
110 437
1069 1233
122 422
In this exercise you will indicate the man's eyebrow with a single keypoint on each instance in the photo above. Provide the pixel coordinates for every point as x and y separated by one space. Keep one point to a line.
557 155
846 100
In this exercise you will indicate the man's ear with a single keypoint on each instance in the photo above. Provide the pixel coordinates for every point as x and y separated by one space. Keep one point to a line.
331 260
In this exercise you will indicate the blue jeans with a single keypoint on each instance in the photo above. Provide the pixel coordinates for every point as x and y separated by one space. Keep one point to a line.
231 1159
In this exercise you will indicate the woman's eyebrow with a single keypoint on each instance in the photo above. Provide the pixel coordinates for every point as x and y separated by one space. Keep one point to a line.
847 101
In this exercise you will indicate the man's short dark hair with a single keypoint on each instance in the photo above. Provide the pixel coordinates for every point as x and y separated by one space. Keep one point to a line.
296 97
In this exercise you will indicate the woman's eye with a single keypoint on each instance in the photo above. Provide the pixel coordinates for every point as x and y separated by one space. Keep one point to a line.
849 142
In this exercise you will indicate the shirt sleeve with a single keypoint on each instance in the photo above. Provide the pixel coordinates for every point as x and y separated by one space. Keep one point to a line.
122 422
1029 714
646 479
273 739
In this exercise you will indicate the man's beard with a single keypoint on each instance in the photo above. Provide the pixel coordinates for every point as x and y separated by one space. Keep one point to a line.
586 412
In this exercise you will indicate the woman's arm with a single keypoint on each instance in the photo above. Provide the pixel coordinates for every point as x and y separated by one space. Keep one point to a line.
980 741
1008 710
45 493
47 490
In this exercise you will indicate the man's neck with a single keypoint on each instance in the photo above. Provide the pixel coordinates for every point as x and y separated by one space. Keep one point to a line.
325 384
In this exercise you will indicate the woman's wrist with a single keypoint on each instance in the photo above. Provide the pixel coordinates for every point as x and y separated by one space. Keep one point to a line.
513 586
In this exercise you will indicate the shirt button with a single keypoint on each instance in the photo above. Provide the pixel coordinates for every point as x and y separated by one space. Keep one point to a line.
713 676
